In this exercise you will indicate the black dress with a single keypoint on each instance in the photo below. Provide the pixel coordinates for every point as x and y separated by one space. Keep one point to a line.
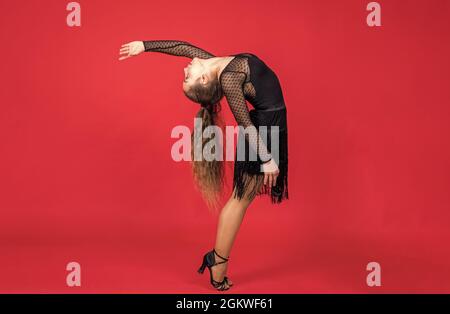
248 78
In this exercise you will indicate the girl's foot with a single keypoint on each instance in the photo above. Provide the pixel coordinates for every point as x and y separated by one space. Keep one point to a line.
219 271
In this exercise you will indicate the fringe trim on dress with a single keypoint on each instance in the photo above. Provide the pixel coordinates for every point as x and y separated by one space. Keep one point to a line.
248 179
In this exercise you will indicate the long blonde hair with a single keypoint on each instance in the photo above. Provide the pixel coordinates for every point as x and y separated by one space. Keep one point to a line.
208 175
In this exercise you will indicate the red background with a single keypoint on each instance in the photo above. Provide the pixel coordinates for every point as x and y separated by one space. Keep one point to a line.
87 175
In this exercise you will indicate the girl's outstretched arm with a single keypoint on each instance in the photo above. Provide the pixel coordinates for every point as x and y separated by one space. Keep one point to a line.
176 48
171 47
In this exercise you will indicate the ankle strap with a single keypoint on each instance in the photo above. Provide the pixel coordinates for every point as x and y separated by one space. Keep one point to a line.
226 259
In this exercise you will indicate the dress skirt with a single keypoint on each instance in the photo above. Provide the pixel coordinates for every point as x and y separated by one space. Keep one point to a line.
248 178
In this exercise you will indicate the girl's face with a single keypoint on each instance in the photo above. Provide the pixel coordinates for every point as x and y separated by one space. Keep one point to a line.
193 73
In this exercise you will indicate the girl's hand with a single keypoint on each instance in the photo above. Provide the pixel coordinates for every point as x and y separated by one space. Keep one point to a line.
131 49
271 172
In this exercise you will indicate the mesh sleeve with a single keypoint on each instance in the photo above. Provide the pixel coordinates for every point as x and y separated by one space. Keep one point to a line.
176 48
232 83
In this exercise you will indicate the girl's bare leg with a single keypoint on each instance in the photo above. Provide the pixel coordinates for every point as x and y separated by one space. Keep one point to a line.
230 220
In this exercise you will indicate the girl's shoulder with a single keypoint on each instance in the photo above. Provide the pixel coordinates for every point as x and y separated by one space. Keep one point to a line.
238 66
237 70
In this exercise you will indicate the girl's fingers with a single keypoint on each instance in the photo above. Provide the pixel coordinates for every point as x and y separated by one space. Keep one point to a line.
124 48
265 178
275 179
125 57
270 179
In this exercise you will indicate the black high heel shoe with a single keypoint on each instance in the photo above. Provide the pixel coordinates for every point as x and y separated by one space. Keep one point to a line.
209 260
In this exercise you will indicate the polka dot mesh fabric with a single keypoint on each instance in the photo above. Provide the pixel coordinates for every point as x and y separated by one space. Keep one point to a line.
177 48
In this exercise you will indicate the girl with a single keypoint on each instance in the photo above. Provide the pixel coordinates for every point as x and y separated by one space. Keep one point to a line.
239 77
